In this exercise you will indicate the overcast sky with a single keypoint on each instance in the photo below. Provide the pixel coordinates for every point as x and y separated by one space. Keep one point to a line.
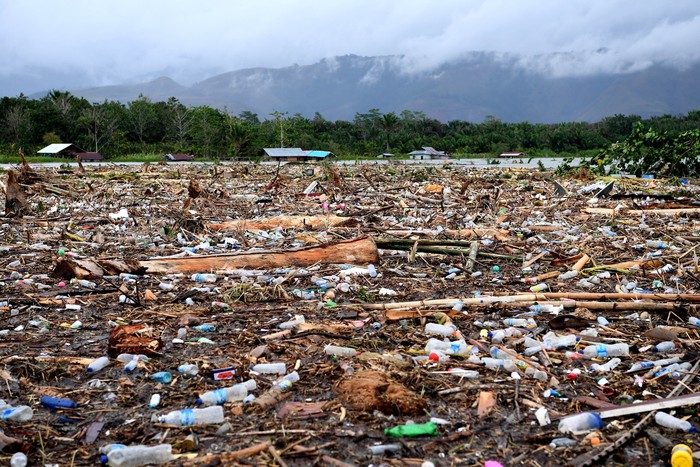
71 43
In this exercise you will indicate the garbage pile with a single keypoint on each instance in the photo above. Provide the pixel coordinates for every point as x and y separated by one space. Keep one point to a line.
347 315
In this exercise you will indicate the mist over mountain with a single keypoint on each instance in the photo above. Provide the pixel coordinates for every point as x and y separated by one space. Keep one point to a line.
477 86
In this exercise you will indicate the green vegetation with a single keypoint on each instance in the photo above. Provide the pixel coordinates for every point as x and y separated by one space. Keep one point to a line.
143 130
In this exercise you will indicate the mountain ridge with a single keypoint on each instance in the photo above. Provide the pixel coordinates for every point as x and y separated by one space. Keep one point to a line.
471 89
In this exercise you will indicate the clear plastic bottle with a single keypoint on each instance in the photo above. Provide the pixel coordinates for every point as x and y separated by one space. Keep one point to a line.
517 322
237 392
203 277
188 369
21 413
286 382
166 286
602 321
155 401
664 347
609 366
606 350
546 308
98 364
541 287
270 368
440 330
497 353
669 421
188 417
459 347
559 342
499 363
581 423
294 322
656 244
568 275
338 351
382 449
134 456
19 459
694 321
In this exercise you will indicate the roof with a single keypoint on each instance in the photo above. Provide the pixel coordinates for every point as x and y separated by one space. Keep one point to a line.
427 150
318 154
284 152
58 147
512 153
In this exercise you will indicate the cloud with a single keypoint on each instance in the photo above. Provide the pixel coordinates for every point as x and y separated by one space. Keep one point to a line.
117 41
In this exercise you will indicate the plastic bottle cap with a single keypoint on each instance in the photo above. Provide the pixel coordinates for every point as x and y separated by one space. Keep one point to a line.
681 456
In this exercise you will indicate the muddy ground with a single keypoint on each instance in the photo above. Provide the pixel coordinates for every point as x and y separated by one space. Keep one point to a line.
52 326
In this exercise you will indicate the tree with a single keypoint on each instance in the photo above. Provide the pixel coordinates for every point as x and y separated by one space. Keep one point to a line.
101 121
180 120
141 117
389 123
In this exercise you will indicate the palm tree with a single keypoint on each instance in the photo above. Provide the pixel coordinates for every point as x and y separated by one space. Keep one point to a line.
389 123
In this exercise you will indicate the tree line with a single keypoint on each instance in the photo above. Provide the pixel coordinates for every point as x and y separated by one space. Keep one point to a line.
145 127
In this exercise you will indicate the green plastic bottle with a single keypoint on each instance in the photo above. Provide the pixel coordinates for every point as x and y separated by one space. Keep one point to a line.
417 429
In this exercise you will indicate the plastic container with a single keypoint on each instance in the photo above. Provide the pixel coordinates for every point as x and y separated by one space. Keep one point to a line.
338 351
270 368
189 417
162 377
188 369
664 347
681 456
669 421
97 365
441 330
203 277
499 364
581 423
694 321
134 456
237 392
605 350
656 244
614 362
568 275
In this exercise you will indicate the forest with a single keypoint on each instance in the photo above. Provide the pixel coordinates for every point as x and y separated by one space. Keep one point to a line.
145 127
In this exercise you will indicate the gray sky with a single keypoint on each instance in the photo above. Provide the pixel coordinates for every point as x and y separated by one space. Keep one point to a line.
72 43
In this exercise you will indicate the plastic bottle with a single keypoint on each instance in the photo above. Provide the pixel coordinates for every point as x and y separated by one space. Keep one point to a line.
57 403
294 322
19 459
499 363
155 401
203 277
86 284
338 351
539 288
581 423
546 308
415 429
188 369
459 347
519 322
681 456
162 377
603 321
131 364
440 330
286 382
21 413
97 365
607 366
237 392
134 456
165 286
270 368
562 443
497 353
606 350
664 347
382 449
568 275
656 244
669 421
559 342
188 417
694 321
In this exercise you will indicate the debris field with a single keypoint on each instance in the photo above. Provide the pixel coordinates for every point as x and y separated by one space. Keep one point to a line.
366 314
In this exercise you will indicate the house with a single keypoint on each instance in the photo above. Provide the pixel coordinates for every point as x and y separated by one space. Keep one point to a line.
179 157
385 155
427 153
61 150
295 154
512 154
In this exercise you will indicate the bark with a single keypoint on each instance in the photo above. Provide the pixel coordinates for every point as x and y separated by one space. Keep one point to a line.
15 197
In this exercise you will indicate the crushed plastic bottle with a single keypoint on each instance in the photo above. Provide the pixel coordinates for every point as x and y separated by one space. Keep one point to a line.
21 413
414 429
581 423
204 278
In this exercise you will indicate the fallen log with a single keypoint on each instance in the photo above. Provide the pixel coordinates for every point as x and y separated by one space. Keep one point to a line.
286 222
640 212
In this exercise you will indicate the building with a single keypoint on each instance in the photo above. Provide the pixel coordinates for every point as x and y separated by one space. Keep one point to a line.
295 154
71 151
385 155
179 157
512 154
428 153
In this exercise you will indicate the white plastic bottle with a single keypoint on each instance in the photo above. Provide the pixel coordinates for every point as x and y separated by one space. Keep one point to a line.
338 351
656 244
188 417
694 321
499 363
605 350
97 365
609 366
188 369
134 456
440 330
581 423
270 368
203 277
664 347
237 392
669 421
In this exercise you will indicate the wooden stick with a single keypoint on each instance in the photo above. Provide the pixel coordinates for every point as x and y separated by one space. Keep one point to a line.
225 457
473 252
286 222
639 212
581 263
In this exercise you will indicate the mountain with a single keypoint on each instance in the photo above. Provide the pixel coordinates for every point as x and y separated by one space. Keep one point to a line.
470 89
